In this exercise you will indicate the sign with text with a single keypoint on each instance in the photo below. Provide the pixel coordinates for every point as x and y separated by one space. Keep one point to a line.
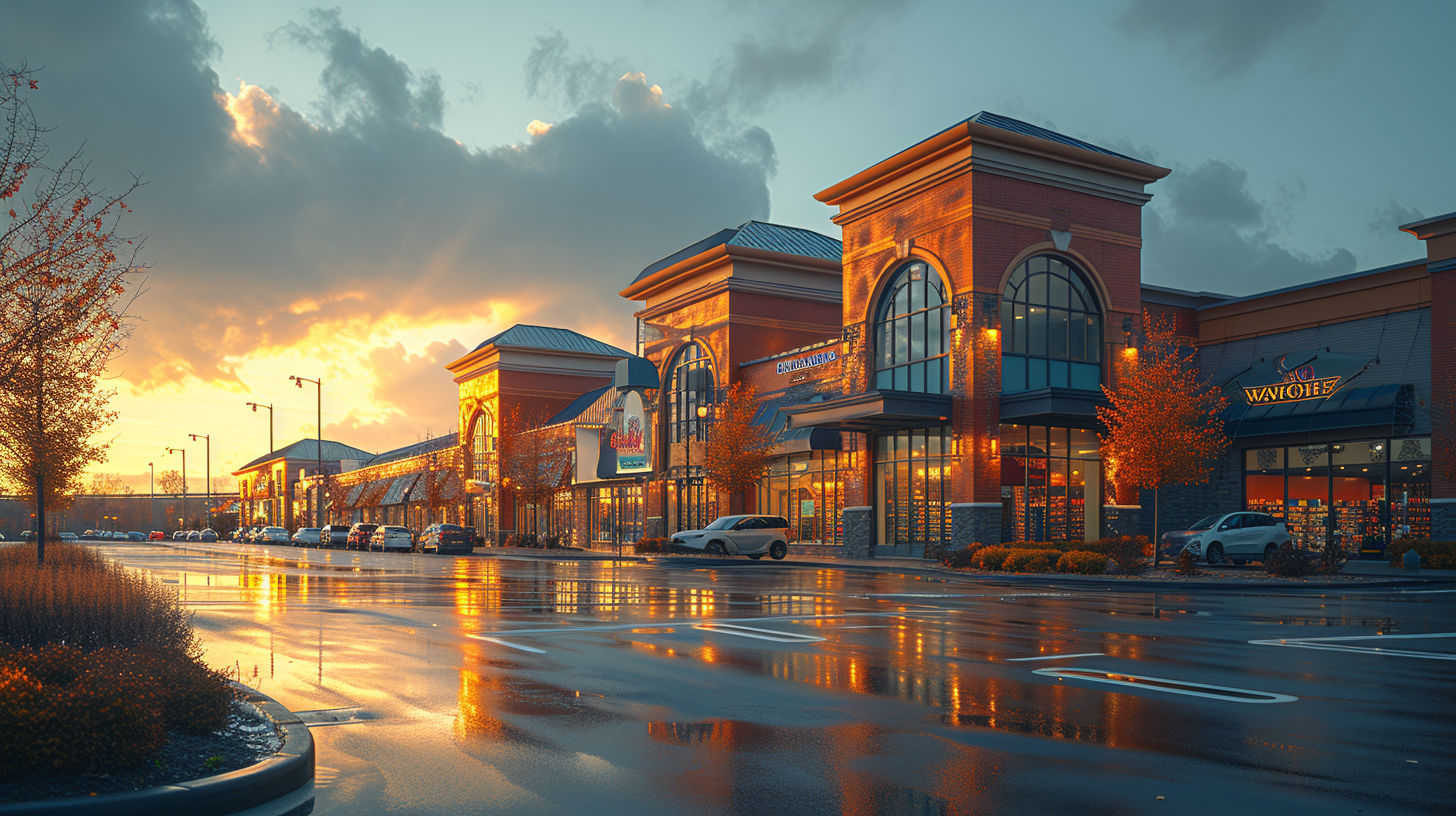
807 361
1299 377
630 441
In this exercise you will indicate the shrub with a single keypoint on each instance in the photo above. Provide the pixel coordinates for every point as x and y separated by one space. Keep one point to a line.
963 558
1187 563
1132 554
1082 562
1030 560
1288 563
651 546
1331 561
1434 554
991 558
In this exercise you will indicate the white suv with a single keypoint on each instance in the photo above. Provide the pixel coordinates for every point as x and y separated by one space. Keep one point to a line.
752 536
1240 536
388 538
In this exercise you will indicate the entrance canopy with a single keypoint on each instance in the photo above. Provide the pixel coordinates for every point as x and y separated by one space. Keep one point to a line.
1377 406
873 411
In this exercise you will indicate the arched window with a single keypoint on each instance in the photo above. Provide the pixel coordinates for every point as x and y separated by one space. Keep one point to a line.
1052 327
482 444
912 332
692 384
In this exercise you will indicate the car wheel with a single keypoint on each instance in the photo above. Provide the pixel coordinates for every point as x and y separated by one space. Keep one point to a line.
778 550
1270 553
756 556
715 548
1215 553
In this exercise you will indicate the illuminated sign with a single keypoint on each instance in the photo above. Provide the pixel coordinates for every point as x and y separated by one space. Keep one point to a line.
809 361
1296 386
630 442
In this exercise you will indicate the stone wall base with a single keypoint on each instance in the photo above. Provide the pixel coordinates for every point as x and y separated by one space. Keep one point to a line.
1121 520
974 523
1443 519
859 532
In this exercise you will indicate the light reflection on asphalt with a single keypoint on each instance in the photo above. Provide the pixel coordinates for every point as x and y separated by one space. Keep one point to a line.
528 685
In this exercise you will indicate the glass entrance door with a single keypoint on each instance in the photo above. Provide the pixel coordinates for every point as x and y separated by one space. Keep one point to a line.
912 491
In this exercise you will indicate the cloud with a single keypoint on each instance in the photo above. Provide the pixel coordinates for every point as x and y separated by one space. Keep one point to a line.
1223 39
412 383
1208 231
1385 220
268 226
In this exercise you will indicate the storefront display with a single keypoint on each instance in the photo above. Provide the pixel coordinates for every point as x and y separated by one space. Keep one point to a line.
1047 477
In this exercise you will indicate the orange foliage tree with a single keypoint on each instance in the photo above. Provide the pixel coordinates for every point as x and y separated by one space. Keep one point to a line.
738 452
1163 423
535 461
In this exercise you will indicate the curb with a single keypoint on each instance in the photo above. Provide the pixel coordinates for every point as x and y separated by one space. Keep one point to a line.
281 785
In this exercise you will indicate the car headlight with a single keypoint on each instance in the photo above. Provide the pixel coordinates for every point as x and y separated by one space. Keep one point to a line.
1194 545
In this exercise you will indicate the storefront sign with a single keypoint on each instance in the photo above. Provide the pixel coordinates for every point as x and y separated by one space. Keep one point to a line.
630 441
1295 386
809 361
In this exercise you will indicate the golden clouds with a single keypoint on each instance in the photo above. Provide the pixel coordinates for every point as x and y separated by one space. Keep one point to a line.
253 112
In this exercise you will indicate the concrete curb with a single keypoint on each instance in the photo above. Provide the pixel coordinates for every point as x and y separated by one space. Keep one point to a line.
281 785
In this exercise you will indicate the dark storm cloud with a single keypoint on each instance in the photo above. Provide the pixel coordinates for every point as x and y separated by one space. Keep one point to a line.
1385 221
1206 230
259 235
1226 38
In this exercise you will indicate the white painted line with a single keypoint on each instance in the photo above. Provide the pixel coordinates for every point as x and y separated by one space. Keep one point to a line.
1054 657
756 633
1225 693
512 645
1341 644
615 627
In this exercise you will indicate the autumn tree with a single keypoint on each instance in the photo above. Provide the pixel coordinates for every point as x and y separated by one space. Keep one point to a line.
535 462
440 480
64 275
1164 422
737 453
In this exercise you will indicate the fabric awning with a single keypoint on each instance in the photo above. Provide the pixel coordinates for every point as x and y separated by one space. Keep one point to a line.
1378 406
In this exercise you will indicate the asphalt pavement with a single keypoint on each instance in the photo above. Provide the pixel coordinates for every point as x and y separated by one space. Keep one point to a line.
444 684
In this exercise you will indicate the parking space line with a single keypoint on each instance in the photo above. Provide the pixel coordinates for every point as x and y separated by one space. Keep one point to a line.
511 645
1054 657
1341 644
1225 693
756 633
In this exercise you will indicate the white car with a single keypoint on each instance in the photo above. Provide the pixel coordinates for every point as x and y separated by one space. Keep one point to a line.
69 537
388 538
1242 537
272 535
753 536
306 537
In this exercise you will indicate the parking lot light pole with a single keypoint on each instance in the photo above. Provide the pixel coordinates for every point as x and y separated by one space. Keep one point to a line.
183 451
208 438
255 406
152 504
299 381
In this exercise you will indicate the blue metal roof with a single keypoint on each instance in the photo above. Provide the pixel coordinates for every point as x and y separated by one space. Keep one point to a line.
757 235
309 449
449 440
578 406
548 338
1006 123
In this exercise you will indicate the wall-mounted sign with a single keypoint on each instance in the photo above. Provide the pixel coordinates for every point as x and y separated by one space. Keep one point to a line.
630 441
1296 385
807 361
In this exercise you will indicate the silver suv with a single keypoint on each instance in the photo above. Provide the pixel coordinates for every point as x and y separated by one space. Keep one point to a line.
1242 537
752 536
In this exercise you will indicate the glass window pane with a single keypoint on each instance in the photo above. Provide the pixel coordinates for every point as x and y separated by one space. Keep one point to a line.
1013 373
1006 316
933 296
1057 336
1038 294
1057 292
917 295
1264 459
902 379
933 443
1057 376
1076 302
934 383
902 299
1016 278
1077 337
917 337
885 379
934 335
1013 439
1019 328
917 378
1036 440
1410 450
1086 377
1036 373
1036 330
1094 338
1057 442
901 328
1082 443
1036 265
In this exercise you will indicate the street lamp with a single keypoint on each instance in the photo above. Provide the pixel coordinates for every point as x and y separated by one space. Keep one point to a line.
255 406
692 496
152 504
299 381
196 437
182 451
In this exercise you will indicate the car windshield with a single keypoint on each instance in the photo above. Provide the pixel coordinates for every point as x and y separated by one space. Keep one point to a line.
1206 523
722 523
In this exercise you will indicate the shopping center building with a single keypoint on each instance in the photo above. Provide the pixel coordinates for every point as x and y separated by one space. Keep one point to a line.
934 379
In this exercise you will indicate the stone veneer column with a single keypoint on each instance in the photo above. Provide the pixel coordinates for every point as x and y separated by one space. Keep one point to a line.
859 532
1121 520
974 523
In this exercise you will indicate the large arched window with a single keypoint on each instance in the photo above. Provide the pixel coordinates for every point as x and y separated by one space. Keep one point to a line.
1052 328
912 332
692 384
482 444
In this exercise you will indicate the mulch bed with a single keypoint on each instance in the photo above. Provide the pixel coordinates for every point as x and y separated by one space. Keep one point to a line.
249 738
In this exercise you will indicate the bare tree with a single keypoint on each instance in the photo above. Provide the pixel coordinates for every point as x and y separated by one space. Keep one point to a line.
171 481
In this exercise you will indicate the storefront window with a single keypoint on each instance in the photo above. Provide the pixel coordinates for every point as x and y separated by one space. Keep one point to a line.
616 514
808 490
482 443
1050 483
912 490
1052 328
1410 488
912 333
691 502
692 385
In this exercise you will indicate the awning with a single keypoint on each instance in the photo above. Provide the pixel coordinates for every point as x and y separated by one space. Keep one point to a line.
400 487
1051 406
872 411
1378 406
772 417
368 493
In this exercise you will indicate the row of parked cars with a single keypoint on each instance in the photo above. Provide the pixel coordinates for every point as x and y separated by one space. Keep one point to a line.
438 538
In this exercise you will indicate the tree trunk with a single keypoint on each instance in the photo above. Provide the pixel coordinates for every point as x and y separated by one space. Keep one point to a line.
1156 552
40 508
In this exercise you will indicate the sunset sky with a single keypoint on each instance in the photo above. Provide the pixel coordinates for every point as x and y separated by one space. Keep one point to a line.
363 194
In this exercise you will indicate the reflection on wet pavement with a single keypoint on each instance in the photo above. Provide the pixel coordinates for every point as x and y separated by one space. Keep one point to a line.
589 686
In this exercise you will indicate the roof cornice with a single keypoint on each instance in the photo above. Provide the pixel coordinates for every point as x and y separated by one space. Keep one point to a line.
650 285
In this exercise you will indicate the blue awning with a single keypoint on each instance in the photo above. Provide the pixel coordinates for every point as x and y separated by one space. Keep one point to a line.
770 415
1387 406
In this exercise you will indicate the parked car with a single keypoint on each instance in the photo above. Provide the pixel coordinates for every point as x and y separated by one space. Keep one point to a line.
334 535
753 536
272 535
388 538
157 535
1242 537
70 537
306 537
135 536
27 535
359 535
179 535
206 535
194 535
443 538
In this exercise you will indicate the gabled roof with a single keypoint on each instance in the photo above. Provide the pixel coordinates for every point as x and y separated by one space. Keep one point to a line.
996 120
449 440
547 338
757 235
308 449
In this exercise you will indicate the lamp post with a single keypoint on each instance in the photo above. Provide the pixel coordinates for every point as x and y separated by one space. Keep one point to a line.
183 520
208 439
702 413
152 503
255 406
299 381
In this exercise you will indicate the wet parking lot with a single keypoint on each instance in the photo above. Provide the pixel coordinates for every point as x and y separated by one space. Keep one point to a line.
476 684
